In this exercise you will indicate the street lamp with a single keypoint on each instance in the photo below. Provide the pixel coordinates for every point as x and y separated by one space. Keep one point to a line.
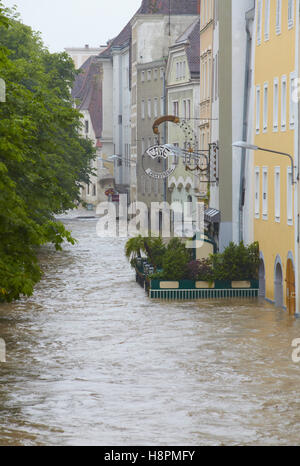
104 160
246 145
114 157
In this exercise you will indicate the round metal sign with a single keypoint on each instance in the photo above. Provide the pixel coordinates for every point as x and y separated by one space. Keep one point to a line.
158 153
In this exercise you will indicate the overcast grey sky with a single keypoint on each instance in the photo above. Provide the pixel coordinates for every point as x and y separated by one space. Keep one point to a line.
67 23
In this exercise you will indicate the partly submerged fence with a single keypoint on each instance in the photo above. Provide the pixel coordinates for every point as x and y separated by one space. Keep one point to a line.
193 290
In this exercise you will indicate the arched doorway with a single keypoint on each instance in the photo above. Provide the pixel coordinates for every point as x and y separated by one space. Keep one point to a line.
262 279
290 287
278 285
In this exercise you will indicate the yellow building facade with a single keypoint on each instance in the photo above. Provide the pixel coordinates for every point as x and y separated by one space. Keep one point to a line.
276 123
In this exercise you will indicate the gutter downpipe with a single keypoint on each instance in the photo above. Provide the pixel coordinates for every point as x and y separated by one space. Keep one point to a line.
245 126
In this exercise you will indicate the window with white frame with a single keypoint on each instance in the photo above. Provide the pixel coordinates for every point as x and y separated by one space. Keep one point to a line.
257 193
290 13
259 21
289 196
162 104
161 72
277 193
149 108
265 109
176 108
267 20
265 193
143 109
155 73
283 102
209 77
278 16
156 107
257 109
143 76
189 113
292 100
149 75
275 104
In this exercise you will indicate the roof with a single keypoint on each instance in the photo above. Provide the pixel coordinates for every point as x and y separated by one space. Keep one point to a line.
121 40
178 7
190 38
193 49
88 90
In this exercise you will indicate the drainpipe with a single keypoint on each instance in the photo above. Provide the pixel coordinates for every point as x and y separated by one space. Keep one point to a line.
249 17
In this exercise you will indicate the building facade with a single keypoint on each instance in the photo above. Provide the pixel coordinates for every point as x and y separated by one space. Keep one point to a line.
183 88
154 29
80 55
276 128
230 114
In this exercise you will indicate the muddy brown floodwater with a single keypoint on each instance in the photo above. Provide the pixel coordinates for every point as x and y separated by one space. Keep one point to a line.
92 361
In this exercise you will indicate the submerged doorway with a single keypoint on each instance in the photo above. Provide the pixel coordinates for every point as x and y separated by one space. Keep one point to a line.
290 288
278 285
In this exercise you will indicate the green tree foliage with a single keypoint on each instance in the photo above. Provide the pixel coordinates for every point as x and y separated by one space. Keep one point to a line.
237 262
43 159
175 260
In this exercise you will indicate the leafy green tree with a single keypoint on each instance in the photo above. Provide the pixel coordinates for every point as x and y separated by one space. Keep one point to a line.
43 158
175 260
135 247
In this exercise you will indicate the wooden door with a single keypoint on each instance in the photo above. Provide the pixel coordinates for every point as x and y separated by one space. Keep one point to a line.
290 288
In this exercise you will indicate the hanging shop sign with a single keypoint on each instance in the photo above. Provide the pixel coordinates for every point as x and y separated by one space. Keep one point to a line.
160 154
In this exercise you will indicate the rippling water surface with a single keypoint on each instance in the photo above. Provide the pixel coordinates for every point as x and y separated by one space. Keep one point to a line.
92 361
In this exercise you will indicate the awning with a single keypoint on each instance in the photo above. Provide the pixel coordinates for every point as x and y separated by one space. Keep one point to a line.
212 216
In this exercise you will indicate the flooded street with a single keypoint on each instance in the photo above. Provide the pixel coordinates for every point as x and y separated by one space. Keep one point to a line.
92 361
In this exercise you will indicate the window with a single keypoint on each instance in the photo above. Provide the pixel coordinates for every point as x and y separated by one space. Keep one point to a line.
149 75
143 146
143 109
267 20
209 78
278 16
162 105
86 126
265 193
290 13
276 104
292 102
176 108
156 107
265 111
257 109
257 192
162 72
188 103
277 194
144 184
149 108
94 190
183 69
143 76
259 21
289 197
283 103
155 73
